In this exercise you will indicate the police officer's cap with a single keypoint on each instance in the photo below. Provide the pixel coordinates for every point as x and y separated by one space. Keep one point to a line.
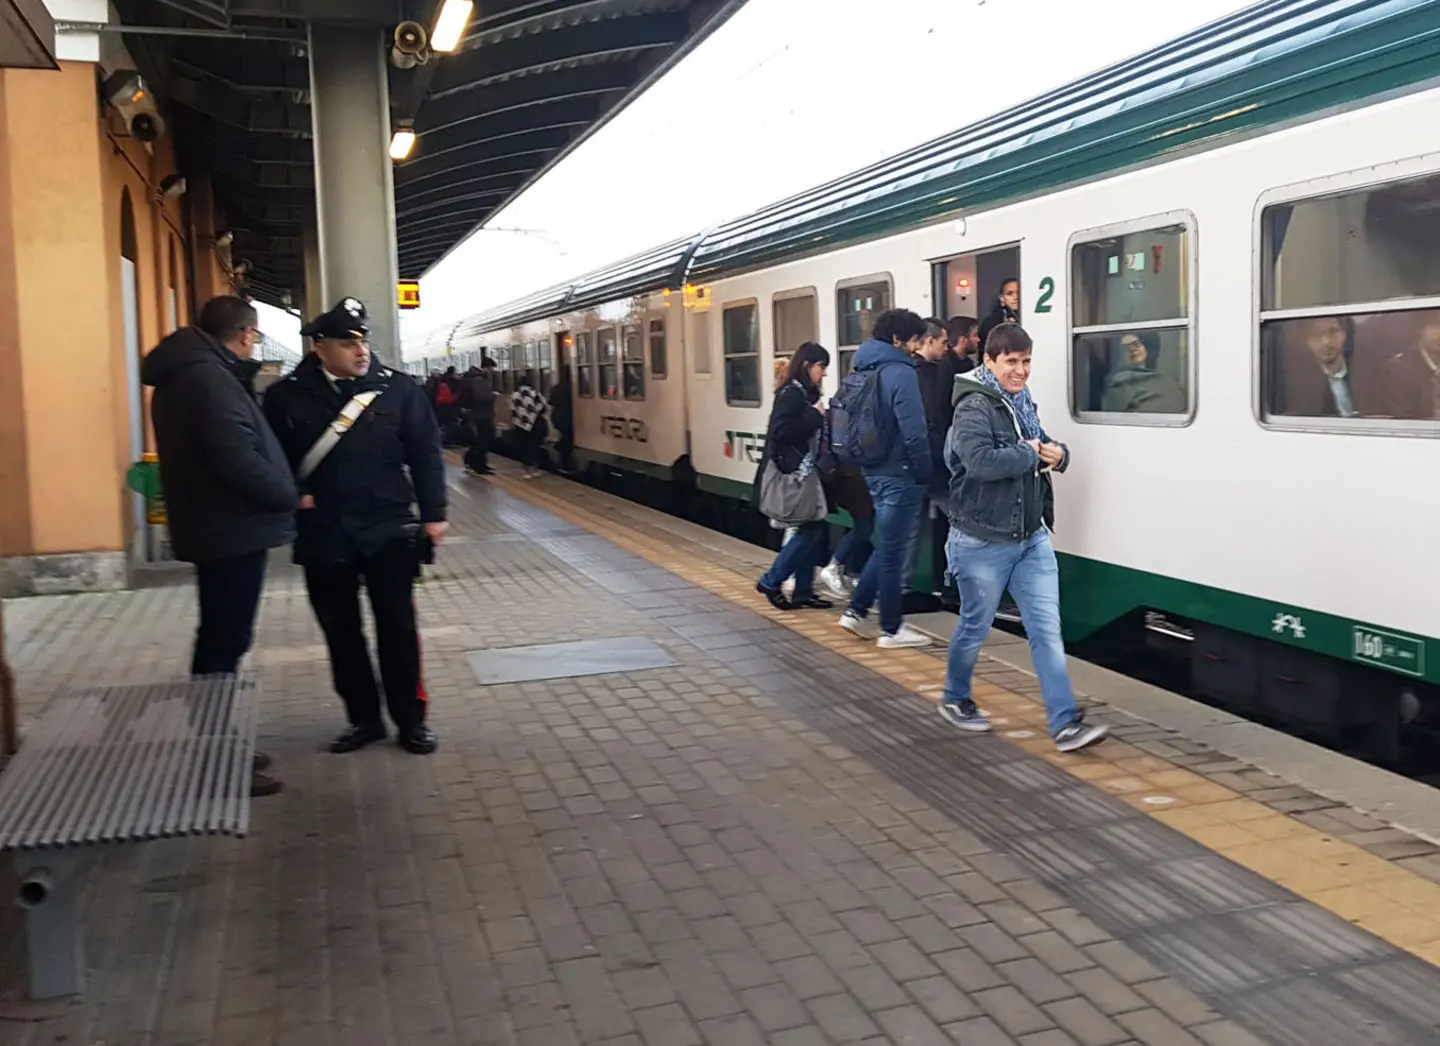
345 320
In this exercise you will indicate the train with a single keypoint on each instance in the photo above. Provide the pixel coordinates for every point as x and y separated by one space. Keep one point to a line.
1245 218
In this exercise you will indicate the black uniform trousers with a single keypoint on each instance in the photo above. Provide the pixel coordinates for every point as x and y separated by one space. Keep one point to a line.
229 591
389 577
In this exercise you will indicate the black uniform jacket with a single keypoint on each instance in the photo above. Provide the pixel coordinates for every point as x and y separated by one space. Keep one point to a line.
367 487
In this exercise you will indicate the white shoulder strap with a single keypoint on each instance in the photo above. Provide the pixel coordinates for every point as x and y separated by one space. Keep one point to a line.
330 438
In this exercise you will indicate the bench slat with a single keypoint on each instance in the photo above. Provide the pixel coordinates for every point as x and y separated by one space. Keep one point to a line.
134 762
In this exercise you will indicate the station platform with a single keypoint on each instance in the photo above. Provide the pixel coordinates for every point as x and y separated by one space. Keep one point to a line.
745 827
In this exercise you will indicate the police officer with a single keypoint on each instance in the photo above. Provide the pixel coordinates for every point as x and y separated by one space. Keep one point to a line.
351 426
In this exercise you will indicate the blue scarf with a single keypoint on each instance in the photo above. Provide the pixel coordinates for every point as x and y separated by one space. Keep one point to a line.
1020 402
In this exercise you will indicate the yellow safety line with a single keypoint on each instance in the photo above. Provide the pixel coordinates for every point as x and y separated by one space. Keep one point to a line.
1389 901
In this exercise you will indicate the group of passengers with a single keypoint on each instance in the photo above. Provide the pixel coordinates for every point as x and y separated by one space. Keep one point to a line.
955 427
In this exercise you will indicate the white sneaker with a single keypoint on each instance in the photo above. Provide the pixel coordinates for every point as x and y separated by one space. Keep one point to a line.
832 578
905 638
856 625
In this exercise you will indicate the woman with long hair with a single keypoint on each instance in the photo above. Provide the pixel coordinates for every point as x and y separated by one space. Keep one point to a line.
795 421
1005 310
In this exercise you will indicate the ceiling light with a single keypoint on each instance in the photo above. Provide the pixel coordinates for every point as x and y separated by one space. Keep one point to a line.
450 26
402 141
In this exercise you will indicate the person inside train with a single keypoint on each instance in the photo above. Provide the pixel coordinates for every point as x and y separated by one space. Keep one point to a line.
1317 374
562 413
1409 380
790 442
1002 508
1135 386
885 372
1005 310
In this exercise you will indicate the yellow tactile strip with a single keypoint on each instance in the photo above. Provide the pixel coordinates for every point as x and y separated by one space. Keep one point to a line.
1391 902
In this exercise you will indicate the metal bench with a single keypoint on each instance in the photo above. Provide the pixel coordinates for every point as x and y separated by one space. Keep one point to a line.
112 766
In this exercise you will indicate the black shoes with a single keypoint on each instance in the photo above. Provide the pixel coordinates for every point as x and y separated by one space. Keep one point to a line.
778 599
357 737
813 603
418 739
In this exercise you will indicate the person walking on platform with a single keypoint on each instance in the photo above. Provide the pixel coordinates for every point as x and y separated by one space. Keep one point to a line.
229 494
1002 507
351 427
477 397
527 413
883 393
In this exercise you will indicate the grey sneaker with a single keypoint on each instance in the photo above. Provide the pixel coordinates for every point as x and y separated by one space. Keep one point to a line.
1079 735
965 717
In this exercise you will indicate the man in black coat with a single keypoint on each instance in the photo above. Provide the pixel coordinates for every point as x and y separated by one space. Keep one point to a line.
228 489
352 427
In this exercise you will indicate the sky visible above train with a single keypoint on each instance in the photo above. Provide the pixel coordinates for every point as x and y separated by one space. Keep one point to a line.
786 95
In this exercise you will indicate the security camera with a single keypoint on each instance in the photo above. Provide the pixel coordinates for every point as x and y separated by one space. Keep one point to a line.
412 46
127 91
172 187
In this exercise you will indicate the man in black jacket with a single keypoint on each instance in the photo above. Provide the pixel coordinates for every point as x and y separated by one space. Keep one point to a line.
352 427
228 490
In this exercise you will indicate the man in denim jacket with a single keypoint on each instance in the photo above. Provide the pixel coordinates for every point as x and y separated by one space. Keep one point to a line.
1001 511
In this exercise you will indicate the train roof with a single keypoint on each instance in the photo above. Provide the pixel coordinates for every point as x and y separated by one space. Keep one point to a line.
1273 63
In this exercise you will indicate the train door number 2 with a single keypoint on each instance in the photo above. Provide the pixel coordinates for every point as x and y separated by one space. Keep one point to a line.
1047 291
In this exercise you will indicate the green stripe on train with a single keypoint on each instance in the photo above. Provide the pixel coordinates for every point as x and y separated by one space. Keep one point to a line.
1097 594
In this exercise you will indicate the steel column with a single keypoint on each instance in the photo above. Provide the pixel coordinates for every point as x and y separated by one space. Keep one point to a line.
354 181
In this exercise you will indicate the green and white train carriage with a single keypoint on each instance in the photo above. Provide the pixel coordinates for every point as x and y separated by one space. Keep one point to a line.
1230 203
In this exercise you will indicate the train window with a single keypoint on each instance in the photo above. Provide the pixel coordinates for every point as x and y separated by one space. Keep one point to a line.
797 320
609 368
700 341
741 324
659 362
1131 322
547 365
1350 308
634 363
857 303
584 364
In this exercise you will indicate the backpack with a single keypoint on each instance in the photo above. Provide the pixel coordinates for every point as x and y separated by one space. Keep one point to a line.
444 395
858 433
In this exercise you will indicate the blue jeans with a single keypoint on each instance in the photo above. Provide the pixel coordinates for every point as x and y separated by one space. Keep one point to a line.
797 559
854 549
983 571
897 504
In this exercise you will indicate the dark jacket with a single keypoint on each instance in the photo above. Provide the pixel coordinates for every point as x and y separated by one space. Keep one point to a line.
997 489
363 496
794 423
477 394
1000 313
228 489
902 407
936 383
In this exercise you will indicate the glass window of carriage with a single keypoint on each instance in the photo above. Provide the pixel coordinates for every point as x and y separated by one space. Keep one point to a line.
1350 309
547 365
1132 323
633 360
584 365
606 352
659 361
857 303
797 320
741 326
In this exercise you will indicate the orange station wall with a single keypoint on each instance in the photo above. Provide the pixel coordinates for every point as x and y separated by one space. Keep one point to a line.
66 402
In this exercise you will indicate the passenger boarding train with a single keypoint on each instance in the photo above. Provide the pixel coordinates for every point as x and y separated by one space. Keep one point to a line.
1229 255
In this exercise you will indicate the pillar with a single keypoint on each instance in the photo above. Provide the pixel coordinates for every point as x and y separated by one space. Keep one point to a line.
313 301
354 181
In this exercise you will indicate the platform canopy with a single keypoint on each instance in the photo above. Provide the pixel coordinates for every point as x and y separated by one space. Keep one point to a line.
529 82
